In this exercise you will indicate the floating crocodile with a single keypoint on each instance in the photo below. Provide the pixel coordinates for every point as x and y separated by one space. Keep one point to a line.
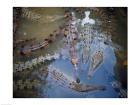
28 49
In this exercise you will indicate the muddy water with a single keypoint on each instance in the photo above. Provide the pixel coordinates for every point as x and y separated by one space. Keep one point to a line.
42 29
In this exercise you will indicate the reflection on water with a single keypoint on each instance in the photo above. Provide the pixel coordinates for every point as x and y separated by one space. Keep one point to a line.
38 24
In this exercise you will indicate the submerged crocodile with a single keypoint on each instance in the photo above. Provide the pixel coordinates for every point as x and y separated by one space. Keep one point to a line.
97 59
86 87
63 80
85 55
